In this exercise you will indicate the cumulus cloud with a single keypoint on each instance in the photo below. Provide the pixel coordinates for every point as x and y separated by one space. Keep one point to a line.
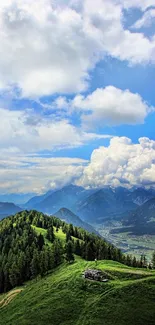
50 47
146 20
108 105
122 163
30 132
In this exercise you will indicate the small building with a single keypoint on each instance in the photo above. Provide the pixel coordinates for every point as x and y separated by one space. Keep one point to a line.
96 275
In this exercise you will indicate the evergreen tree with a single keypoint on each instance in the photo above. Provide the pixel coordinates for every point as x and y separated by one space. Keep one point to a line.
35 264
68 236
14 275
77 247
129 260
50 234
40 241
153 259
134 262
69 252
71 230
90 254
57 252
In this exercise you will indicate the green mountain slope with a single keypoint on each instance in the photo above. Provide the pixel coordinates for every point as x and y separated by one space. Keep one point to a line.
34 247
65 298
31 244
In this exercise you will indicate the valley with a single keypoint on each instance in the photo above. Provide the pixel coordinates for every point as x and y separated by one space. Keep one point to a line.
126 241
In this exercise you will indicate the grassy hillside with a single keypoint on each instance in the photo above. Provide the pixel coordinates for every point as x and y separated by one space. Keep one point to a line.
64 297
57 293
58 234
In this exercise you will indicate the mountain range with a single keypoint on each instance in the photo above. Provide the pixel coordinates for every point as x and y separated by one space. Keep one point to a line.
142 220
93 206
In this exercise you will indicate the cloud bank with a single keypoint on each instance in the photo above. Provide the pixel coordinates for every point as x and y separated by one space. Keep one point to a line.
122 163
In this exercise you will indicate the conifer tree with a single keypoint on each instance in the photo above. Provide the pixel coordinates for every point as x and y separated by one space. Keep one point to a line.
77 247
57 252
69 252
153 259
50 234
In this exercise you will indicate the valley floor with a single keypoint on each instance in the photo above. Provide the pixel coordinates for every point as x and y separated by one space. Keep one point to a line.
128 242
64 297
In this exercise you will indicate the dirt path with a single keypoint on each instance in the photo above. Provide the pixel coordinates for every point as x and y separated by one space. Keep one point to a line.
9 297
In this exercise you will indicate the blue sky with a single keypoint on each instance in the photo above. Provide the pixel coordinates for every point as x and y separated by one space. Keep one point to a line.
76 94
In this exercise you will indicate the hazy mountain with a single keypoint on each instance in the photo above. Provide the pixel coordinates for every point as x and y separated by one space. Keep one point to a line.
104 204
16 198
91 205
37 199
140 195
69 217
142 220
7 209
66 197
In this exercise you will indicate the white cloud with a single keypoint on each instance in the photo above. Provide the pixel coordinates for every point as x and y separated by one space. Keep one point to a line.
23 174
112 106
122 163
141 4
146 20
30 132
48 49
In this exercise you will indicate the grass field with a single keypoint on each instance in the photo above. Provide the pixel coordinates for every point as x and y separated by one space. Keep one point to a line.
58 234
65 298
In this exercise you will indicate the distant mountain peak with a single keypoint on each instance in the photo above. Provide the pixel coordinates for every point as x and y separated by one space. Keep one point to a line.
66 211
69 217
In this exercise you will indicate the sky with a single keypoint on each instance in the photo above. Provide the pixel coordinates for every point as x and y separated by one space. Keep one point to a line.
77 94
